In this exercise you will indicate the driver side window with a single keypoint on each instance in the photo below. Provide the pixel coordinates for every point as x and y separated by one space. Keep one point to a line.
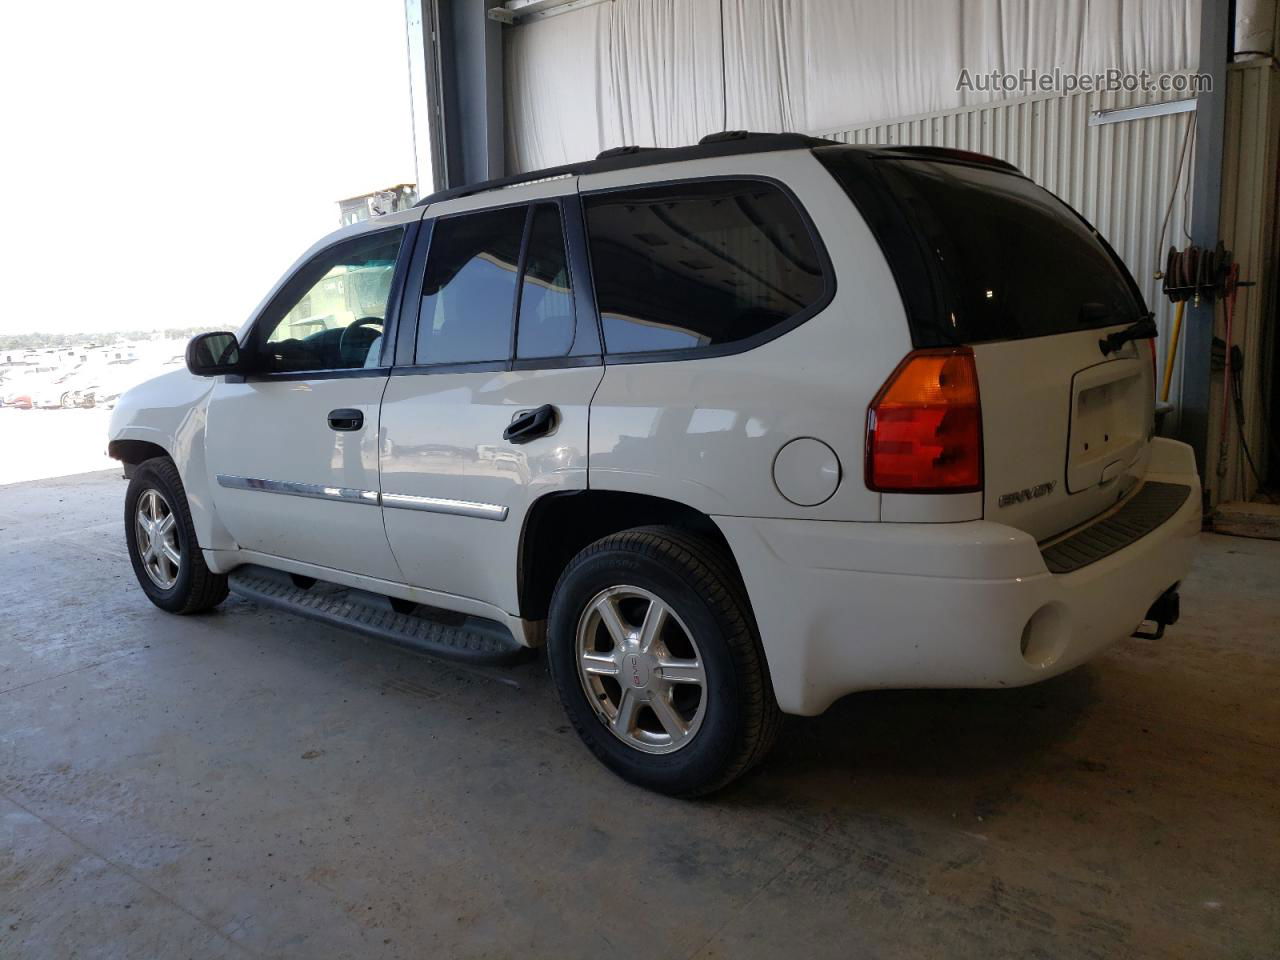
331 314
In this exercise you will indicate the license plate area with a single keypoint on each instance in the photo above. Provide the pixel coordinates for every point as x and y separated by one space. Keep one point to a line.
1108 422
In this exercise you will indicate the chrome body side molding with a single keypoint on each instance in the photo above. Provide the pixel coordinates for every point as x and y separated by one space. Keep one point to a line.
315 491
460 508
399 501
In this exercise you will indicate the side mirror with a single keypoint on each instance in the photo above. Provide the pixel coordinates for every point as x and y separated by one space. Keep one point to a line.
213 354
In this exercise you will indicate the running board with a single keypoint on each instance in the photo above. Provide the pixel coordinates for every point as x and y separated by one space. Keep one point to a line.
441 633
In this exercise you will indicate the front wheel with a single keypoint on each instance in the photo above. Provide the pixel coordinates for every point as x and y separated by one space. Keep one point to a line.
654 656
162 542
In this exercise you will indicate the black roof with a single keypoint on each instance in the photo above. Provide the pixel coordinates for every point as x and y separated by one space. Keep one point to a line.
724 144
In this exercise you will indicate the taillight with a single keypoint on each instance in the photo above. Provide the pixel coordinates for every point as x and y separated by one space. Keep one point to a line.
1154 379
924 428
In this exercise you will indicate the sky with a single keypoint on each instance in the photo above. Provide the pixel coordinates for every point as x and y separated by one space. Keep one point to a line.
163 163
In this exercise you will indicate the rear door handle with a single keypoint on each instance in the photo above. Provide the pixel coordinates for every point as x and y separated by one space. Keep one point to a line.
345 419
531 424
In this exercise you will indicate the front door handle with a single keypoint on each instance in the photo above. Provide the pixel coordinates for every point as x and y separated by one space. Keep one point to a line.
345 419
531 424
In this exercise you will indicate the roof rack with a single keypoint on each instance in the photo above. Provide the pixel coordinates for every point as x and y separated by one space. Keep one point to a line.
725 144
622 151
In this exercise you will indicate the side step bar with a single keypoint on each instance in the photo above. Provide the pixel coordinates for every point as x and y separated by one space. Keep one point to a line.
437 632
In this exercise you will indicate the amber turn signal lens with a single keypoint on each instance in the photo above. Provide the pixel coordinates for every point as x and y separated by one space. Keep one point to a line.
924 428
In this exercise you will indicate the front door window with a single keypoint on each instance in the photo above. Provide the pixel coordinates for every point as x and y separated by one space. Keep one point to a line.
331 314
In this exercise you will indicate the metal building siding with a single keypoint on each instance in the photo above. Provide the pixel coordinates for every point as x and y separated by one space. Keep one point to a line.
1251 159
1118 175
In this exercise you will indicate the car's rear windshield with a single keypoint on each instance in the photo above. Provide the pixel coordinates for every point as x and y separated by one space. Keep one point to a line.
1006 258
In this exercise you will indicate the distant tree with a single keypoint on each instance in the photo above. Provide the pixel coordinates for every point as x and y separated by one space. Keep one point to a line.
65 341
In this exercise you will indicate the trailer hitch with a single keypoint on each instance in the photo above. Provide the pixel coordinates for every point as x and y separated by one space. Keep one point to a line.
1163 613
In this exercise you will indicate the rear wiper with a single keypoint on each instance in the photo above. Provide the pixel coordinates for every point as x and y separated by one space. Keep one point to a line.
1144 329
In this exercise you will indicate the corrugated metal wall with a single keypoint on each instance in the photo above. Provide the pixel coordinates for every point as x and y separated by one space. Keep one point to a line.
1251 164
1120 176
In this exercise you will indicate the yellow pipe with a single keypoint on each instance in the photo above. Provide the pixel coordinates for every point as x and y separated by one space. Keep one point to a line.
1173 350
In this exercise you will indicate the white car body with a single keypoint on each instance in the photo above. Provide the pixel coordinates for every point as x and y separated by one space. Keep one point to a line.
860 590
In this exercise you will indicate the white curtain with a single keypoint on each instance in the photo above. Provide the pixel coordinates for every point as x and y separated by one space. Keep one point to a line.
666 72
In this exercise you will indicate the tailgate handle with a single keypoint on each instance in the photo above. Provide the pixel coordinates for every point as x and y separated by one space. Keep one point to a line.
1110 472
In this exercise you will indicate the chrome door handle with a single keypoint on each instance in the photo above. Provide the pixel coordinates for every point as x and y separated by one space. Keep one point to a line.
345 419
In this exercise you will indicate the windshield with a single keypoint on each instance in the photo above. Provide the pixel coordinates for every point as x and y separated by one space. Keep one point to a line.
1006 259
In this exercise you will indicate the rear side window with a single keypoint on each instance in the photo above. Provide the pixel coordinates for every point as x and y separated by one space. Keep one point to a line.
547 324
468 292
700 265
1007 258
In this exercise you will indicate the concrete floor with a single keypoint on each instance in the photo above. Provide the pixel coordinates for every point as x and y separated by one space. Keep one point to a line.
52 443
249 784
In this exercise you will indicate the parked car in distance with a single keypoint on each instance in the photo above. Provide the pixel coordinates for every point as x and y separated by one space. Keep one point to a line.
48 397
734 429
27 389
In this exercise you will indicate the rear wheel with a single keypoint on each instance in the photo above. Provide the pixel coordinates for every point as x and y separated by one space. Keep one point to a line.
657 664
162 542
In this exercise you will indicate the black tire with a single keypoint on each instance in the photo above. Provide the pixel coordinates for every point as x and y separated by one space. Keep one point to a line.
196 588
694 579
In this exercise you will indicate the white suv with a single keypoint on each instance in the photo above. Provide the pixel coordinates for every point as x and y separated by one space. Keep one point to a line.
736 429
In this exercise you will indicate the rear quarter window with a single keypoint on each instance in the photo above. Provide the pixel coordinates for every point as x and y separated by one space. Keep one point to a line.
701 265
1006 258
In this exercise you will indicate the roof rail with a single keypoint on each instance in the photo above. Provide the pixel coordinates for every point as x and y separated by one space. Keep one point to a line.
621 151
724 144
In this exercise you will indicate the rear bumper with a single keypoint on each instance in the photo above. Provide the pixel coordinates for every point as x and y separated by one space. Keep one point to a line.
856 606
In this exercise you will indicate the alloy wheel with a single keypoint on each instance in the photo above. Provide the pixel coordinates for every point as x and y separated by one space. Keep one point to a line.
641 669
158 545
